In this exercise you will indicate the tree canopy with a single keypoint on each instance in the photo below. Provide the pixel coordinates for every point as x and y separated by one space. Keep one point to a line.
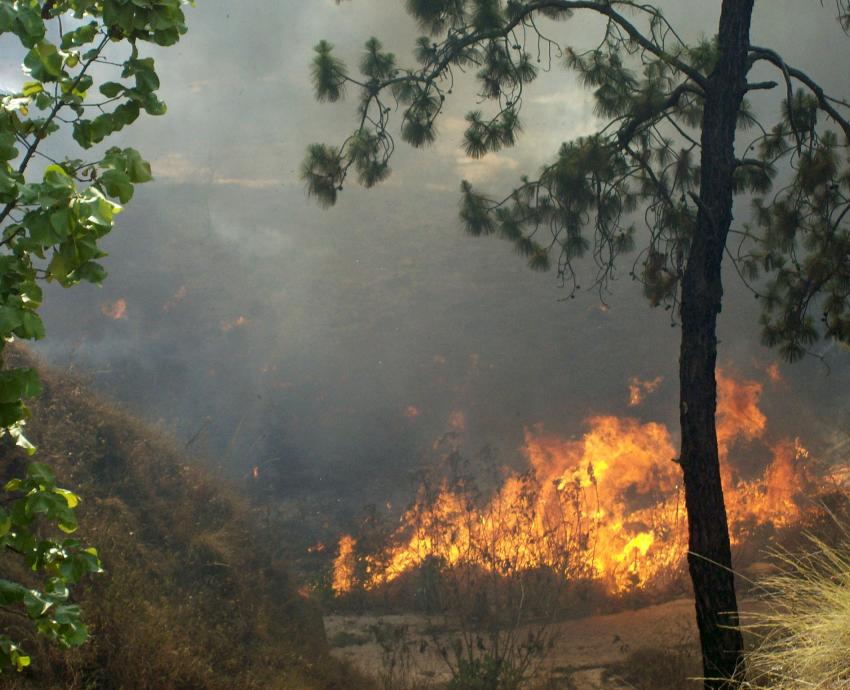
625 197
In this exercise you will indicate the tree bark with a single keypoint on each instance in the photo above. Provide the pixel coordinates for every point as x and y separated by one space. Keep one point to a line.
710 557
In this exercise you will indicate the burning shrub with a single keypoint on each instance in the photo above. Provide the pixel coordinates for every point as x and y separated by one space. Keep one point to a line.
607 507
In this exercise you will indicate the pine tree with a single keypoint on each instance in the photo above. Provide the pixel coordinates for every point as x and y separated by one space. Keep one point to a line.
659 180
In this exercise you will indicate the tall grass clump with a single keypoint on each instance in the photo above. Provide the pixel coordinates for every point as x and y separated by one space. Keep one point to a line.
802 637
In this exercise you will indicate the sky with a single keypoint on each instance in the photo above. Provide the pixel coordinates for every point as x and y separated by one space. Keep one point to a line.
330 348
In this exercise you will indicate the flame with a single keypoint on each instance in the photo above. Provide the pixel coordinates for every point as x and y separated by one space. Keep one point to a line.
608 506
639 389
411 412
345 564
115 311
738 413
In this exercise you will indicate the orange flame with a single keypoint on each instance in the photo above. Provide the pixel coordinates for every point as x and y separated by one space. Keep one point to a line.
639 389
607 506
344 565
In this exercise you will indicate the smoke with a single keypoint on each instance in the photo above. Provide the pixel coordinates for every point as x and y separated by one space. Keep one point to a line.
272 335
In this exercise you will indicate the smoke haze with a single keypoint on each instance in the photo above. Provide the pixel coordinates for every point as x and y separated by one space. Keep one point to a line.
329 348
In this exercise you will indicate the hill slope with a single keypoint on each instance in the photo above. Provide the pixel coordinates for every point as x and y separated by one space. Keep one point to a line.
192 596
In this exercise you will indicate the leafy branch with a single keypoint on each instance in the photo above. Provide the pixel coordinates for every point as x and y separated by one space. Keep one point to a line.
51 225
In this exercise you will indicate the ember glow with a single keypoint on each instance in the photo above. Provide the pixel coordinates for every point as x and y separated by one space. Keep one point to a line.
608 506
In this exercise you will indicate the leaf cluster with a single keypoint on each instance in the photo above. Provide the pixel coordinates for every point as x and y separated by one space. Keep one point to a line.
36 501
51 224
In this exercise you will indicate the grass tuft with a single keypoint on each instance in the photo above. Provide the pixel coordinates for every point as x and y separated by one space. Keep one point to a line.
802 637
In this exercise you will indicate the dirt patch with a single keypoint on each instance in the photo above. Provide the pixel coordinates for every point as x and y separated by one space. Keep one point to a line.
585 652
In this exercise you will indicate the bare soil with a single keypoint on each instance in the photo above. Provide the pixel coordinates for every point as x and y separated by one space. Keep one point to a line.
586 655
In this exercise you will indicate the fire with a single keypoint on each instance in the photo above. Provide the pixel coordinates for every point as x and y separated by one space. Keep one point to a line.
411 412
345 565
608 506
115 311
639 389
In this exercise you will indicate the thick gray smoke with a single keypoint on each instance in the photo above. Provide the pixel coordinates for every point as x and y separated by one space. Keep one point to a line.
329 348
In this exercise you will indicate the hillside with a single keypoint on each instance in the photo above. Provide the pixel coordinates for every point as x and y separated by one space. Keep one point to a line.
193 596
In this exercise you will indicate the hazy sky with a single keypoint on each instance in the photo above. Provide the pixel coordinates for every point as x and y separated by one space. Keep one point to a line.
333 346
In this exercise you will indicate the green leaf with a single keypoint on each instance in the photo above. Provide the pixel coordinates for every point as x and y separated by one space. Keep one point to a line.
41 473
44 62
138 169
7 17
16 384
13 485
11 413
91 272
32 327
36 603
28 24
57 186
8 150
45 229
96 209
32 88
70 497
11 592
31 293
80 36
8 184
117 184
80 564
111 89
10 319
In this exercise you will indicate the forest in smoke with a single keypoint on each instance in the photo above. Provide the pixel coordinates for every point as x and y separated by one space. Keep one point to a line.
422 448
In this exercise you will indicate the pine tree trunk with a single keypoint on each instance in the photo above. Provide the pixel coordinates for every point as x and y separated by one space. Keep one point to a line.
710 558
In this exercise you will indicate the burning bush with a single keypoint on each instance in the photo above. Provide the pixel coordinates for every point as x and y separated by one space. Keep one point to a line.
605 508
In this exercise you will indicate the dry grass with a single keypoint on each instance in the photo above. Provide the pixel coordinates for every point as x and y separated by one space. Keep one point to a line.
802 638
193 596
